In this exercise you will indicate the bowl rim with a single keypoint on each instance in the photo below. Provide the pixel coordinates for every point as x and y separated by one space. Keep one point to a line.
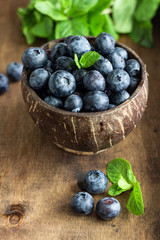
89 114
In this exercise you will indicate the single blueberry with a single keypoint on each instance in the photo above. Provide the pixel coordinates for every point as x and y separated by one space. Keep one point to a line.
95 182
78 45
60 49
104 44
53 101
112 106
103 65
133 85
117 61
132 67
34 57
65 63
67 39
94 80
79 74
14 71
95 101
122 52
50 66
38 78
118 80
4 83
108 208
73 103
62 83
82 203
119 97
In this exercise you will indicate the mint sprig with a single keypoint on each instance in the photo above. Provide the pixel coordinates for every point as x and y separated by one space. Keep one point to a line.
87 59
120 173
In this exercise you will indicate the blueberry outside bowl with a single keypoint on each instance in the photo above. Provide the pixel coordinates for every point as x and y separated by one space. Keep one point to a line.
87 133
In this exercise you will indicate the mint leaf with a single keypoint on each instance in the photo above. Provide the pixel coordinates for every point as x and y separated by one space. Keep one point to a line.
135 201
146 10
77 61
131 177
78 7
96 21
38 16
123 184
75 26
123 15
43 28
142 33
47 8
30 38
109 26
116 168
114 190
89 58
101 5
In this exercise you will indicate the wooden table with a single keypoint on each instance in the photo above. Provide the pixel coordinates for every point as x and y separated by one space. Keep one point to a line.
38 180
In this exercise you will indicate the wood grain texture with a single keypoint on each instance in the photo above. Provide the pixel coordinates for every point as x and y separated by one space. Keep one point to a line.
38 180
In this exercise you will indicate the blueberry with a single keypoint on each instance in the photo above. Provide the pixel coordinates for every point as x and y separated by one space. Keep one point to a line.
73 103
65 63
78 45
108 208
122 52
93 80
132 67
14 71
104 44
118 80
53 101
79 74
62 83
50 66
95 101
119 97
60 49
133 84
95 182
34 57
4 83
116 60
112 106
103 65
38 78
67 39
82 203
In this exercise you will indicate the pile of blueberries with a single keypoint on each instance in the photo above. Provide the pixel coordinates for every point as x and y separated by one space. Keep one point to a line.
13 73
95 182
57 80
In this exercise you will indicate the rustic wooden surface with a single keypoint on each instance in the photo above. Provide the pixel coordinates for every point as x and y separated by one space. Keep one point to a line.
38 180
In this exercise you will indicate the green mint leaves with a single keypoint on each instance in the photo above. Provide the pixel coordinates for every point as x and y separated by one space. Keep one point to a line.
59 18
121 175
87 59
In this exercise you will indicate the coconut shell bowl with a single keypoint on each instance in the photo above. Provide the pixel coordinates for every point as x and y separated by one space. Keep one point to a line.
87 133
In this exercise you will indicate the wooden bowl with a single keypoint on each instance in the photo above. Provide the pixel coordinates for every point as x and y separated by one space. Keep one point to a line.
87 133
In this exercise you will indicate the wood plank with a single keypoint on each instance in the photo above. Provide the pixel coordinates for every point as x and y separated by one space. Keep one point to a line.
38 180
